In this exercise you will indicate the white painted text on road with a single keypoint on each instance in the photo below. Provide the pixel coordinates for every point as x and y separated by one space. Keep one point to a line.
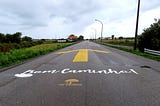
30 73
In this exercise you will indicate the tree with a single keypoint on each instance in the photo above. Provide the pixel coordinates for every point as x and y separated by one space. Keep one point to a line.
80 37
120 37
2 38
16 37
26 38
112 37
8 38
150 38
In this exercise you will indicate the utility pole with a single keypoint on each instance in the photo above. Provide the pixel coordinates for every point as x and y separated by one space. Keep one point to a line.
136 31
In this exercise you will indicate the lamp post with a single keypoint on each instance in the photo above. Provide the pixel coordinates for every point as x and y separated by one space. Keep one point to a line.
101 28
136 31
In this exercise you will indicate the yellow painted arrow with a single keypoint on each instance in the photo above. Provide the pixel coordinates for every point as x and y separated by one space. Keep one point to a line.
82 55
66 52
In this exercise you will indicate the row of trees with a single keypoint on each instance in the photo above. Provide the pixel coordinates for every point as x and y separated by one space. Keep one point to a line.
15 41
150 38
14 38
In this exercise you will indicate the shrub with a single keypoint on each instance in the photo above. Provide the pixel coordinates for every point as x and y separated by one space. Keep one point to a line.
150 38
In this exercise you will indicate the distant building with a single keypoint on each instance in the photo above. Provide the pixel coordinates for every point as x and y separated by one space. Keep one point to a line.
72 37
61 40
108 38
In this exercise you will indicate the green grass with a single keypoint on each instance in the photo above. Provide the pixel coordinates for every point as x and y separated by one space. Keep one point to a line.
137 52
123 42
16 56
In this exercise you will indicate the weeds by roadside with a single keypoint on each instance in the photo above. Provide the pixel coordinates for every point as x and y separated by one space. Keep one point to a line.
137 52
16 56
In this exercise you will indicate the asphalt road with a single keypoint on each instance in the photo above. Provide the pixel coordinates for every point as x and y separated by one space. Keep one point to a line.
85 74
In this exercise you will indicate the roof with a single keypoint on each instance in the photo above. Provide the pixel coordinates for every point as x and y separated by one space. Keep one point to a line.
72 37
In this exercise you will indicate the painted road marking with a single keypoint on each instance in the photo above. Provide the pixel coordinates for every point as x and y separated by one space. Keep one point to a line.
67 52
100 51
71 82
82 56
30 73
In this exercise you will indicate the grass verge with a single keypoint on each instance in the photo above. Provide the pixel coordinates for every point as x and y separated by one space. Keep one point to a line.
17 56
137 52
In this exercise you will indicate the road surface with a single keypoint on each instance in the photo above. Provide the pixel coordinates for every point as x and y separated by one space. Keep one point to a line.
84 74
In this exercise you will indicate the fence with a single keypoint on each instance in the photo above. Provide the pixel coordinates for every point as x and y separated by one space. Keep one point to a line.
131 48
152 51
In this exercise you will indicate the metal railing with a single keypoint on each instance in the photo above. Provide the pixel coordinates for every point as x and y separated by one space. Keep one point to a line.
152 51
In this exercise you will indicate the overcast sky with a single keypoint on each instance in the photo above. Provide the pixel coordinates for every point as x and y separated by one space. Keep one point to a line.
60 18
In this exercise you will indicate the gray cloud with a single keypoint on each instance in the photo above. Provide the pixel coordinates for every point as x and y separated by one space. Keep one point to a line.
73 10
48 17
149 4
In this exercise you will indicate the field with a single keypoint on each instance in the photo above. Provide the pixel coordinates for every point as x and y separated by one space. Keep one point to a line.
18 55
123 42
128 42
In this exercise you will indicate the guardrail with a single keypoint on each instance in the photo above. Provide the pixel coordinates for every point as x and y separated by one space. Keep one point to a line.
152 51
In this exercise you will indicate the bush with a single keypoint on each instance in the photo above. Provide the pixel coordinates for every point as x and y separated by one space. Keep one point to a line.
6 47
150 38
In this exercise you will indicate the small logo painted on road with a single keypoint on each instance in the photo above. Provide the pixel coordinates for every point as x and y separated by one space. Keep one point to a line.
71 82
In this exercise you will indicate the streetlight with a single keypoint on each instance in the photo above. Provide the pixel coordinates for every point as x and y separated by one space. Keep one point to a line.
136 31
95 32
101 28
